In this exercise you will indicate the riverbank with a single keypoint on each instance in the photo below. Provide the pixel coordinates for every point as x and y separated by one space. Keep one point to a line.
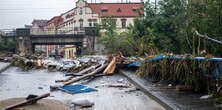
170 98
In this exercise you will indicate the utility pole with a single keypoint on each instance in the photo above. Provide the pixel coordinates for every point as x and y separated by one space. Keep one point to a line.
155 6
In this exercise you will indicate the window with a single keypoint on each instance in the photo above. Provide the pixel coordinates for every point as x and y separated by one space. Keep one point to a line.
104 10
81 23
123 23
90 24
94 23
80 11
119 10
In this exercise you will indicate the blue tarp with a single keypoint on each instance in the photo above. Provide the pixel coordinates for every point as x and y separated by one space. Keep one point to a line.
136 63
73 89
184 58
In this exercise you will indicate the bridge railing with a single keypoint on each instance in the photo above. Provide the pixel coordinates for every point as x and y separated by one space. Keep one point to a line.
91 31
68 30
8 32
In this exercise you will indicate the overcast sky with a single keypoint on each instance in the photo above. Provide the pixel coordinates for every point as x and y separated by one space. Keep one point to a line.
17 13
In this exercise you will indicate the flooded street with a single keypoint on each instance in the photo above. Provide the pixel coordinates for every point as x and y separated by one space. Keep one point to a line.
16 83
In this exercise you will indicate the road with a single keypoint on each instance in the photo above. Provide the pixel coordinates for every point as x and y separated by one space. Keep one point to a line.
16 83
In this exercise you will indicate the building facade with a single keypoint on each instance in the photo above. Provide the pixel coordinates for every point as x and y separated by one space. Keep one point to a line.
89 14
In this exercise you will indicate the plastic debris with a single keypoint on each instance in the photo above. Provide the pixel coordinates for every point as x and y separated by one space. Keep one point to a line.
74 89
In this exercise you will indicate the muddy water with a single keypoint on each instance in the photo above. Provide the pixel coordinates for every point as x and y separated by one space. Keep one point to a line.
16 83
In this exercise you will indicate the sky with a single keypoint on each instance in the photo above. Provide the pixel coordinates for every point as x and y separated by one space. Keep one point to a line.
17 13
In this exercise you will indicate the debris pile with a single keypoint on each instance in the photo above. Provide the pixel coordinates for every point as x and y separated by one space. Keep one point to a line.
199 74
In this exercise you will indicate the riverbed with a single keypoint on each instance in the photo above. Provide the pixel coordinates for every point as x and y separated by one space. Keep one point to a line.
17 83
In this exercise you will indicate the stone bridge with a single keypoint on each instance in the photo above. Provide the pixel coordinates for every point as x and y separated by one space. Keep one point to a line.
26 42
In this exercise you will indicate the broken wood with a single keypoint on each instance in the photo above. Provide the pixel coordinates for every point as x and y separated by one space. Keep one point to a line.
83 71
73 75
86 75
111 67
64 80
120 85
26 102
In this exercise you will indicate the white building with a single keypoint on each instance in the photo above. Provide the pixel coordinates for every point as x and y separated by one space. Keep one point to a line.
89 14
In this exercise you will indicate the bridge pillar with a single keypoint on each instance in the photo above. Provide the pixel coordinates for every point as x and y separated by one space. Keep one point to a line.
88 44
24 45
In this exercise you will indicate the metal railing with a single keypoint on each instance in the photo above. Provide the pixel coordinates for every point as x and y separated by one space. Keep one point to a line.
44 31
62 31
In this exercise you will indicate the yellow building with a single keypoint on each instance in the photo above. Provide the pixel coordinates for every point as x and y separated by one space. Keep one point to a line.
70 52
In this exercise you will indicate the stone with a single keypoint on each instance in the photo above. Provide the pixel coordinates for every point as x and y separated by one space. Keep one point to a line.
83 103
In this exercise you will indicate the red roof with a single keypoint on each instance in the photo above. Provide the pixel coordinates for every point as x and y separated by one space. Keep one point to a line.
116 9
55 20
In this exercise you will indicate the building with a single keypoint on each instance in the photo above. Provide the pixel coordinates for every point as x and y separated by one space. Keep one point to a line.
67 25
38 27
89 14
70 51
52 25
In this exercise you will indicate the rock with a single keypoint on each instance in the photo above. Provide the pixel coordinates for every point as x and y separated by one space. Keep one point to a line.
206 96
83 103
120 80
40 87
132 90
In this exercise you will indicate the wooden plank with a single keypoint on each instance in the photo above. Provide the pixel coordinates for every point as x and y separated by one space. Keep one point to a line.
86 75
73 75
26 102
111 67
83 71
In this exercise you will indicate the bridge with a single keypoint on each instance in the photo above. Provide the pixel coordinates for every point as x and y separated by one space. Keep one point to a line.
26 41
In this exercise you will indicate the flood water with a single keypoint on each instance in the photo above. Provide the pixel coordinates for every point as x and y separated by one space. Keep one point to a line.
17 83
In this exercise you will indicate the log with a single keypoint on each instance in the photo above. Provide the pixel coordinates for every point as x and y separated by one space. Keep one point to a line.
83 71
64 80
86 75
73 75
111 67
26 102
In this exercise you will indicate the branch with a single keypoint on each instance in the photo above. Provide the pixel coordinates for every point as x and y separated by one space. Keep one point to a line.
205 37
